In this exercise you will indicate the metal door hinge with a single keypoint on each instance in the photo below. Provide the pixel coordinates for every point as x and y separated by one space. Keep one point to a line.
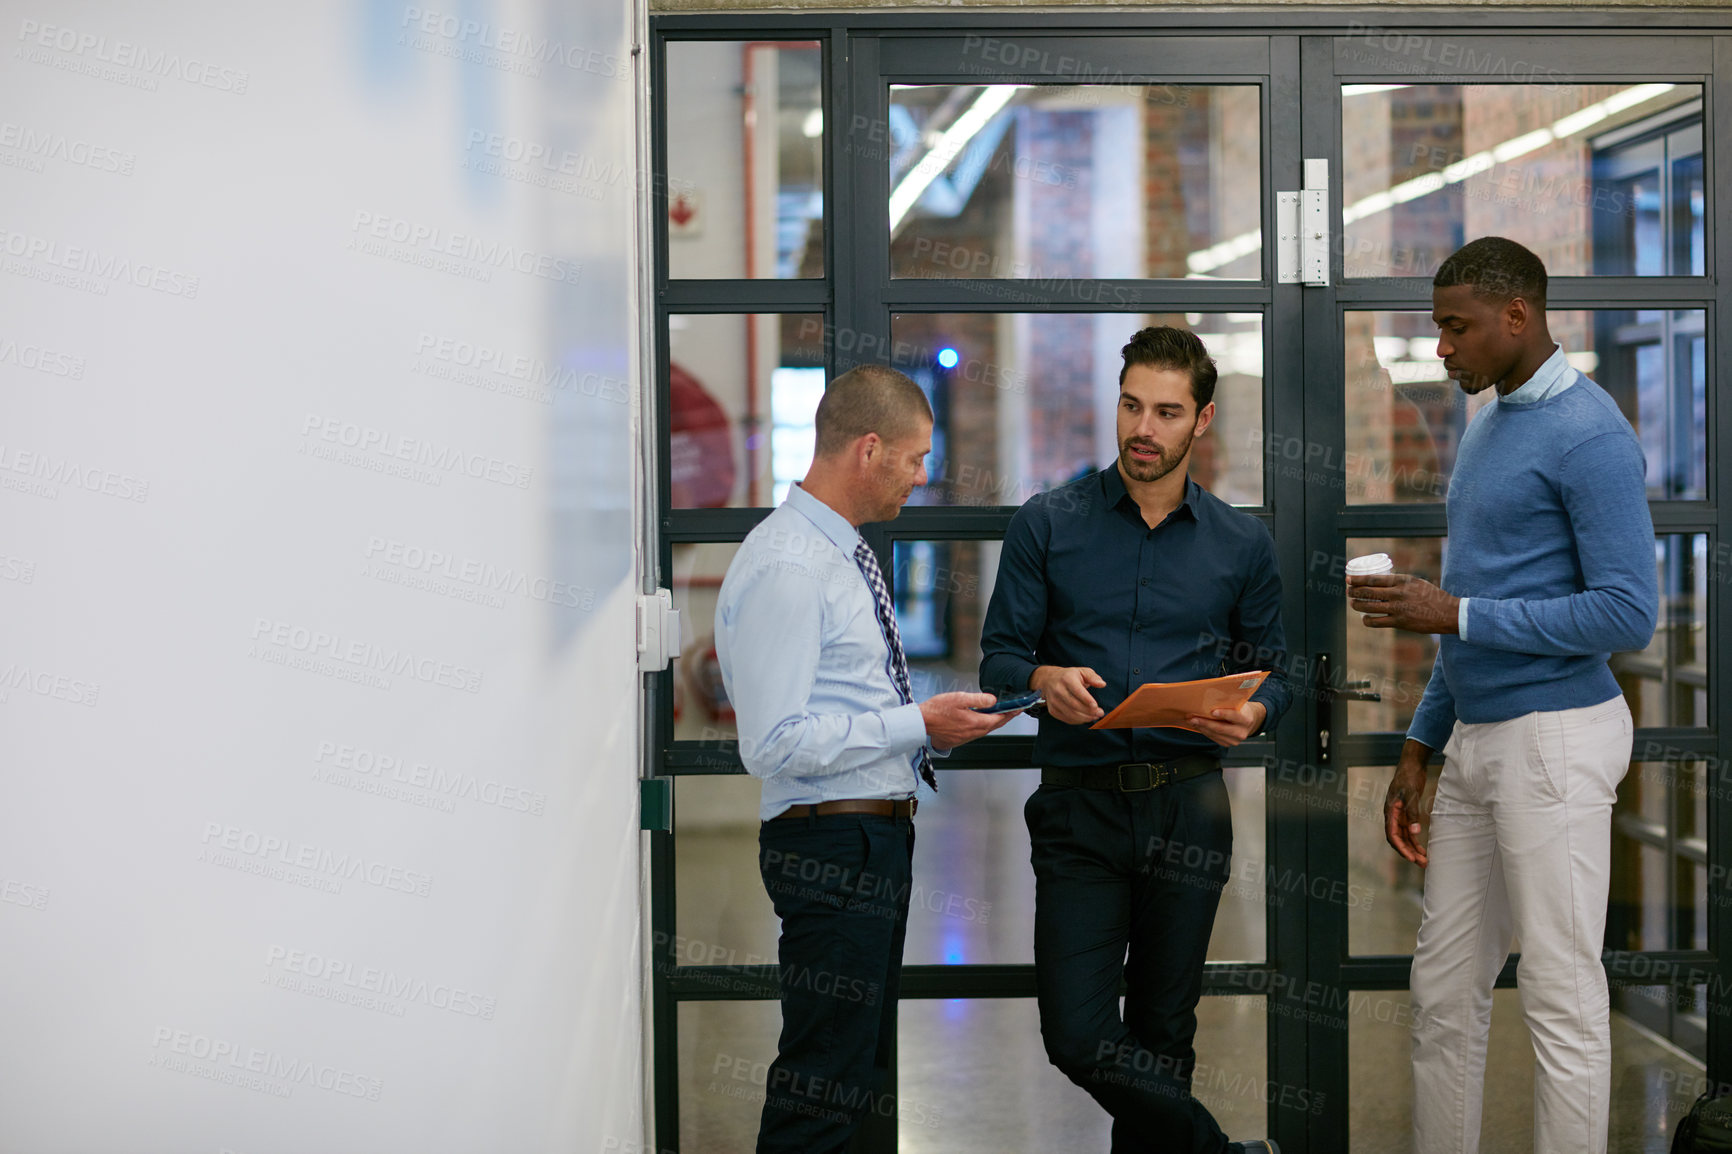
1302 229
658 631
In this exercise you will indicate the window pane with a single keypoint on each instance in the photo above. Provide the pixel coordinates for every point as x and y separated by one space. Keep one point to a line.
1689 203
1405 418
975 1076
1679 1015
1027 401
1383 888
940 604
1040 181
1575 172
745 125
1658 898
1652 362
1693 917
978 1070
1667 683
1648 1080
723 916
743 389
701 708
1691 776
1392 663
972 901
1241 931
725 1050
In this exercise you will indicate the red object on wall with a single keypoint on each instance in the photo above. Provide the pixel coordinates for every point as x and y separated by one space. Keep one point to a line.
703 676
700 445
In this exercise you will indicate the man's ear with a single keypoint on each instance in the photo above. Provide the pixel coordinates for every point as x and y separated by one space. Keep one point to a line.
1516 315
1204 420
868 448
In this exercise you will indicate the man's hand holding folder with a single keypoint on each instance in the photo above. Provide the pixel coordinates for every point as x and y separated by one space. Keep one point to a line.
1229 727
1219 708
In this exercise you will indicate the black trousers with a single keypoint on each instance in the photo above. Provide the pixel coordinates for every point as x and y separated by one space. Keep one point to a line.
1127 884
840 883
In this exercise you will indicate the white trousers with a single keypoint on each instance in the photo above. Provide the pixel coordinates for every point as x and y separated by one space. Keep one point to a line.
1520 845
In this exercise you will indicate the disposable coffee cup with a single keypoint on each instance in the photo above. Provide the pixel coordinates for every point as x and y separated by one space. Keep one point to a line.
1369 565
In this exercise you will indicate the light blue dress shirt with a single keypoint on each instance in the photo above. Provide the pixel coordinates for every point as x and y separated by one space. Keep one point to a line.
1554 376
807 668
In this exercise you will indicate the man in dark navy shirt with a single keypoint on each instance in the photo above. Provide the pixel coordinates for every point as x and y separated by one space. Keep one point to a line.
1131 575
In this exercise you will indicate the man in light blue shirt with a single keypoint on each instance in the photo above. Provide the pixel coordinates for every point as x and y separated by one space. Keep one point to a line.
1550 571
814 668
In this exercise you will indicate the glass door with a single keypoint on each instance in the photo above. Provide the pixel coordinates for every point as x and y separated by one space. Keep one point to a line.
1045 198
994 205
1589 151
995 216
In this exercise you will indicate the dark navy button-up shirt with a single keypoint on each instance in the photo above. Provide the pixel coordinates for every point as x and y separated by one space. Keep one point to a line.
1082 580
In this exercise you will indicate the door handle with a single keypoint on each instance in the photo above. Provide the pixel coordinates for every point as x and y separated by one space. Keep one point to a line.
1358 691
1327 694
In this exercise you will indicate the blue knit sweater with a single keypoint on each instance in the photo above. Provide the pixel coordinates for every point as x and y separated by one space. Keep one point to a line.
1550 539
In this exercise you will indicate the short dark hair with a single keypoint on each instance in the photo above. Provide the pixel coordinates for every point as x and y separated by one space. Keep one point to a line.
1165 347
868 399
1497 270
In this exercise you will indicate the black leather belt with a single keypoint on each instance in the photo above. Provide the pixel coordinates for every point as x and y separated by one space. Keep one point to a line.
1135 777
880 808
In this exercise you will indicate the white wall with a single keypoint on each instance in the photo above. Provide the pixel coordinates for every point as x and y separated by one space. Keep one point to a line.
317 712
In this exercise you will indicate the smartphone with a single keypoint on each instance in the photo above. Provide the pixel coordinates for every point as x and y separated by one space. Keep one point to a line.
1011 704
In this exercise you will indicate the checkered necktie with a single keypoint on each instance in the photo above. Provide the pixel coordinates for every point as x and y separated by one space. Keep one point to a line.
892 637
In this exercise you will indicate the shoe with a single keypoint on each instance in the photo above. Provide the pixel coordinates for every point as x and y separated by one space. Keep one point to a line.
1255 1146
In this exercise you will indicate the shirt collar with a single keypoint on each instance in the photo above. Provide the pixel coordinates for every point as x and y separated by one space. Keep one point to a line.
1549 379
1113 488
831 523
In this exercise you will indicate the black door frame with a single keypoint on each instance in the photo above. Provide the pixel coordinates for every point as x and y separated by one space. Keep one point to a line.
1307 958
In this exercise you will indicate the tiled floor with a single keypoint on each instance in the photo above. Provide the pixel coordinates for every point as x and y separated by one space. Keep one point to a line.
974 1075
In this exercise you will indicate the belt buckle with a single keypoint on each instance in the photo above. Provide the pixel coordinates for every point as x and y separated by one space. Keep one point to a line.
1157 777
1157 774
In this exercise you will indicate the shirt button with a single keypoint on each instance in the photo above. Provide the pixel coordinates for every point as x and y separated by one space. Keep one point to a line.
1145 581
1136 671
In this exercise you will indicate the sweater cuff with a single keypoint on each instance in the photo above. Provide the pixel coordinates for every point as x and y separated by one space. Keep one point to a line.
1483 619
1433 733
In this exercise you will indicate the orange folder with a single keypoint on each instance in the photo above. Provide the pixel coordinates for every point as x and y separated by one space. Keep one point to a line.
1167 704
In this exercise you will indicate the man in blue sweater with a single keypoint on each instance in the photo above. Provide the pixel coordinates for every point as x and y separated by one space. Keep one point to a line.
1550 571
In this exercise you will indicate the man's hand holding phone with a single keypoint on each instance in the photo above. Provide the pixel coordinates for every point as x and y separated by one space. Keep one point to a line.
953 719
1013 703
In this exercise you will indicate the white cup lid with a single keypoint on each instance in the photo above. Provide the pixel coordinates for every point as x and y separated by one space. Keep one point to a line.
1371 563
